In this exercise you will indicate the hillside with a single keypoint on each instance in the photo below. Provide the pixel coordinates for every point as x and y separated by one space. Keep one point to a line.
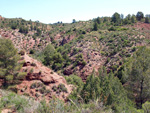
96 65
41 81
102 47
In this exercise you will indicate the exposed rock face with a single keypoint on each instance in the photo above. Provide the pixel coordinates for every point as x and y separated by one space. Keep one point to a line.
41 81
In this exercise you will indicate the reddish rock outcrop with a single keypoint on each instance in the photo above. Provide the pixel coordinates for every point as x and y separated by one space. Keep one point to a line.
49 81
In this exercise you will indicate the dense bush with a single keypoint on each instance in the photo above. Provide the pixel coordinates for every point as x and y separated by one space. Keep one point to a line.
22 52
21 75
14 26
23 29
79 60
108 90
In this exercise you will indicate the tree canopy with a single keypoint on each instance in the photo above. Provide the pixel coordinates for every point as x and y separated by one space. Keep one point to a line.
139 15
95 28
116 18
52 57
9 65
136 72
108 89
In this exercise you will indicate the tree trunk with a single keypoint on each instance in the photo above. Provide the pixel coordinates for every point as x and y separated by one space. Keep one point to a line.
141 92
5 82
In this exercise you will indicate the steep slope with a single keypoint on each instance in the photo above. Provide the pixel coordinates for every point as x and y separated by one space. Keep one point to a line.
22 41
41 81
103 48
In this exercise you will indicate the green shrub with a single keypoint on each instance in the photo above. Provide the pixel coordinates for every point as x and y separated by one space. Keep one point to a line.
42 91
21 75
33 64
22 52
19 104
9 78
75 51
47 91
13 88
37 85
23 29
75 80
14 26
84 63
26 94
40 72
33 86
32 51
62 88
83 32
146 107
31 70
54 88
112 28
133 49
37 95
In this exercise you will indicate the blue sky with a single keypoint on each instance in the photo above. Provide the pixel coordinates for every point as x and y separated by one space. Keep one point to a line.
51 11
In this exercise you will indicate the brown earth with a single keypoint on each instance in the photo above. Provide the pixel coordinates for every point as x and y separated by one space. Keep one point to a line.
141 25
144 27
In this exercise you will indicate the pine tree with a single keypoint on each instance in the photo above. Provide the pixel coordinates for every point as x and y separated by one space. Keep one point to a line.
139 15
95 26
98 20
147 20
133 19
52 57
137 73
9 65
113 93
48 53
116 19
73 21
91 90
